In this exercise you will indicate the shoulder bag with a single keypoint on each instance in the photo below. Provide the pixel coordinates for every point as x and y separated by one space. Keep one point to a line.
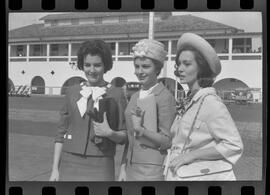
203 169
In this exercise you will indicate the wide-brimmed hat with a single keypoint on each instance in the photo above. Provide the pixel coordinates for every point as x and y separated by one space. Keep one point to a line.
203 47
150 48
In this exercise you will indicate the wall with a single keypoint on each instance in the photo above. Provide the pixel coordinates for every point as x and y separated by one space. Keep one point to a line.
248 71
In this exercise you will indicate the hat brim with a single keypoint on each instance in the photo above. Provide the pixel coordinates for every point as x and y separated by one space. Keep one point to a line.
202 46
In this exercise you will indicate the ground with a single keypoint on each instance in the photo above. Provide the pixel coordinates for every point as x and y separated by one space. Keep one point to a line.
32 127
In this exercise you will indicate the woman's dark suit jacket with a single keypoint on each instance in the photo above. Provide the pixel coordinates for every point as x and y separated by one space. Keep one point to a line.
76 132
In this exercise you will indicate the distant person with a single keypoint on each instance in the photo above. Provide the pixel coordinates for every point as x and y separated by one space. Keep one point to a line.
85 149
143 162
203 130
118 82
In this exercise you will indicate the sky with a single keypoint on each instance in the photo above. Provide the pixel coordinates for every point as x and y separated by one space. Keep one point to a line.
247 21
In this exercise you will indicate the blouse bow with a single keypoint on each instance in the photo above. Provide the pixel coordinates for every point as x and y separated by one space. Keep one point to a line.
86 92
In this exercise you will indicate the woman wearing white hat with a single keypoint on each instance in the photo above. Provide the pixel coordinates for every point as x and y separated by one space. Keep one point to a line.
206 142
143 160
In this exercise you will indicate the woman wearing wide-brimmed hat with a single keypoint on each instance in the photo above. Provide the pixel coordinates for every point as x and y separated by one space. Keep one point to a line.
143 160
206 142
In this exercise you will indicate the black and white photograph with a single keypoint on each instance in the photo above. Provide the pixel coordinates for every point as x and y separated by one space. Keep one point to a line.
135 96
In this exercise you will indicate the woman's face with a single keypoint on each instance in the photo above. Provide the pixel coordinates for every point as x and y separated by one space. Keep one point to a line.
93 68
188 68
145 71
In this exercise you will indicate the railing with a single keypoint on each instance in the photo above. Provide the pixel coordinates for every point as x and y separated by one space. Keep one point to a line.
233 96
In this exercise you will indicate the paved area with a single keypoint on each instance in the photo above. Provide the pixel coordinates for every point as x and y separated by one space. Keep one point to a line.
32 128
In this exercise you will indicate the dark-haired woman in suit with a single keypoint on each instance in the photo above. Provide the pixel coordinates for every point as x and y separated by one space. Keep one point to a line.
84 148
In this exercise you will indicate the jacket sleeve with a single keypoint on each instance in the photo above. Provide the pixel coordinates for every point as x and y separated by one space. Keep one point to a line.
223 129
166 114
63 122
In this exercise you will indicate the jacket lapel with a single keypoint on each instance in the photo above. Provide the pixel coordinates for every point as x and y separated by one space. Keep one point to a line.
158 89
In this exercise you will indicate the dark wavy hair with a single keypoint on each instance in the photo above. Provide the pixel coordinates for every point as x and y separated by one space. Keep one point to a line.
158 64
95 47
205 75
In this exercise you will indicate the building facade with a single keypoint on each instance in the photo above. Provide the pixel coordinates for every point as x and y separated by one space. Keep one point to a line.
43 56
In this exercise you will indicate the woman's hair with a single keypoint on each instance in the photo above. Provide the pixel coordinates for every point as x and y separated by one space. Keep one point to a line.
157 63
95 47
205 74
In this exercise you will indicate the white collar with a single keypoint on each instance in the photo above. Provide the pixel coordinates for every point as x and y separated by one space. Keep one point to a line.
144 93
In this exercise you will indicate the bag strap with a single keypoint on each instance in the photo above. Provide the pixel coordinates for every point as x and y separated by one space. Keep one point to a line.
193 123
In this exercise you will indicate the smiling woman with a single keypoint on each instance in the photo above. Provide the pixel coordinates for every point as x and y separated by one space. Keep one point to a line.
142 160
86 147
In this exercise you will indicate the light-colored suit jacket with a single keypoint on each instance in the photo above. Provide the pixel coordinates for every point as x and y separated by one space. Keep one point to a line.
166 110
214 127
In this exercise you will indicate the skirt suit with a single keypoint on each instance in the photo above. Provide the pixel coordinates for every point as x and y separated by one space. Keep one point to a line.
82 158
145 163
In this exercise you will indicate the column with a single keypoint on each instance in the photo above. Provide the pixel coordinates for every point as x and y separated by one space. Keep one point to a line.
230 48
69 52
48 51
170 50
116 50
27 52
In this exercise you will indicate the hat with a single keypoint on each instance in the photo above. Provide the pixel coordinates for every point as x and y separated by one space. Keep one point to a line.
205 49
150 48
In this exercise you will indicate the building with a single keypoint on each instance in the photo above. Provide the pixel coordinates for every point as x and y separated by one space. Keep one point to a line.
43 56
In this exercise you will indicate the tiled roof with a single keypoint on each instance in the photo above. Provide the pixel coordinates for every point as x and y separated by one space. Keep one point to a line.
172 24
93 14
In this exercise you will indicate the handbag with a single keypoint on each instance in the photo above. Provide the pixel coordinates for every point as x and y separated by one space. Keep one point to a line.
203 169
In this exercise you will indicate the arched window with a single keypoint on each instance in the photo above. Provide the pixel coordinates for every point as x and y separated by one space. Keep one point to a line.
70 82
10 85
229 84
38 85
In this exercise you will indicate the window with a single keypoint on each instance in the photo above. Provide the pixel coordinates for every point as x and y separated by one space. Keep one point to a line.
174 45
220 45
123 19
17 50
74 48
74 21
38 50
112 46
98 20
54 23
59 50
125 48
212 42
241 45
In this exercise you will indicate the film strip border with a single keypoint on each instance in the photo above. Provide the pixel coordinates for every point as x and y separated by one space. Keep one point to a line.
120 5
131 188
149 188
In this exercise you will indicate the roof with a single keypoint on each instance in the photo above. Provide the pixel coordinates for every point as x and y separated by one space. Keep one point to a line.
171 24
79 15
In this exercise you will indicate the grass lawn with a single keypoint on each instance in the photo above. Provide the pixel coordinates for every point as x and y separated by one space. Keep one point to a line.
32 126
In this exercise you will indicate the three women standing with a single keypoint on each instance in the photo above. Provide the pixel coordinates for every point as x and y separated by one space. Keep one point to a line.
203 129
84 148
